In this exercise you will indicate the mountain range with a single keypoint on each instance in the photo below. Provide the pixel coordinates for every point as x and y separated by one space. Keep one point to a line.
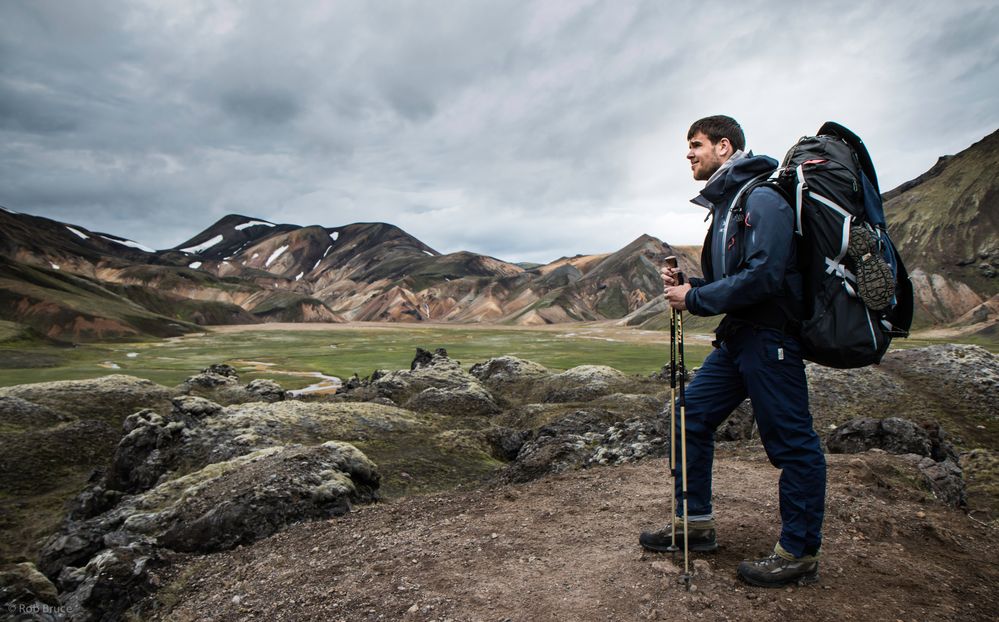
68 283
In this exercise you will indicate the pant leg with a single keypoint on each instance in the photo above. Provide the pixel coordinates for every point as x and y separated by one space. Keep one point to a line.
774 374
710 398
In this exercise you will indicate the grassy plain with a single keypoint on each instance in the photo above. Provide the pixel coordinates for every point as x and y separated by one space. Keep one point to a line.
341 350
289 353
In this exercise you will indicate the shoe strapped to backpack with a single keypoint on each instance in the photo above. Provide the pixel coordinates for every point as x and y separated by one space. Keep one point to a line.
873 275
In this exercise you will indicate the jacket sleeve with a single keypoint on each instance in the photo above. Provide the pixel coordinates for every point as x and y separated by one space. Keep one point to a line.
767 239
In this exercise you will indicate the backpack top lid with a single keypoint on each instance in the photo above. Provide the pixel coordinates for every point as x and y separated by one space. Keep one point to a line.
831 128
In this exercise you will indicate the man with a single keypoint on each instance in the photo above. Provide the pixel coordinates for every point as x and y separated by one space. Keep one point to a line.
750 274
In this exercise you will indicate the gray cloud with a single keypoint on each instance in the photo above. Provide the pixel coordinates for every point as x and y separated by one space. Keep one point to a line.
522 130
24 112
261 106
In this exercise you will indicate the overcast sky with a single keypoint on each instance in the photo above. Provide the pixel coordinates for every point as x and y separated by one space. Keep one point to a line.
522 130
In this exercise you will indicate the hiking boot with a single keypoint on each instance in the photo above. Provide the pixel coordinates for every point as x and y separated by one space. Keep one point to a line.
875 283
702 537
780 569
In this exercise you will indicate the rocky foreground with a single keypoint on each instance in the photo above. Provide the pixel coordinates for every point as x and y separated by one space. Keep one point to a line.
504 490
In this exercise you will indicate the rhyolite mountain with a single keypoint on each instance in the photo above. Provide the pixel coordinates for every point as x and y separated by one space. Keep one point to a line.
946 225
74 284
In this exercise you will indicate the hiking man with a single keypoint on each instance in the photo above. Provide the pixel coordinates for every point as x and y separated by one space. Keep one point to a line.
751 275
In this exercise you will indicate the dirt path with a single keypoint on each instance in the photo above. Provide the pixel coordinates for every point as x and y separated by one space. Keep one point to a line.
565 548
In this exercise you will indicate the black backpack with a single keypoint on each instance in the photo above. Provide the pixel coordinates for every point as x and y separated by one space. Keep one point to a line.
857 291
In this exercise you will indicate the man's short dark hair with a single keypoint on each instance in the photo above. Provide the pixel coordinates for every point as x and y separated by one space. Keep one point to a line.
719 127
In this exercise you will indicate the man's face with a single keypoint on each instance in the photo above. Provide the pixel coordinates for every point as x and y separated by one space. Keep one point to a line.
707 157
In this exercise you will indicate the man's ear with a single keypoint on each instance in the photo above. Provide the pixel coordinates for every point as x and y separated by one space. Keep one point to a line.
724 147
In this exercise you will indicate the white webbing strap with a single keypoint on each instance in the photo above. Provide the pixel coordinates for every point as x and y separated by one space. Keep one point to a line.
839 269
799 190
847 218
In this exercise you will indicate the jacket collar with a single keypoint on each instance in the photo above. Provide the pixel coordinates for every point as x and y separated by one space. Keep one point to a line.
735 172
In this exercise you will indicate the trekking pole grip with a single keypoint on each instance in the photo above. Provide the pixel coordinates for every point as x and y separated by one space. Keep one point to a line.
671 262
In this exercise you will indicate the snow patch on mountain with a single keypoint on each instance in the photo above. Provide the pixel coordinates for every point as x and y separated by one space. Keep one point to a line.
274 256
246 225
194 264
203 246
79 233
129 243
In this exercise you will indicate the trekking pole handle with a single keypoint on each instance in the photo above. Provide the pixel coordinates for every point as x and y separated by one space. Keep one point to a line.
671 262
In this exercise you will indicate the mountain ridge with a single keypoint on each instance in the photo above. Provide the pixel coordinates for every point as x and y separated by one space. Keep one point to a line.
945 223
358 272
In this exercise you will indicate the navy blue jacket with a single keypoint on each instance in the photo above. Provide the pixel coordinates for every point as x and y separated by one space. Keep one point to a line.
750 271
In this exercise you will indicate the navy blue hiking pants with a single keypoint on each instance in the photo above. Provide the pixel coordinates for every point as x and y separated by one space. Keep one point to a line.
767 367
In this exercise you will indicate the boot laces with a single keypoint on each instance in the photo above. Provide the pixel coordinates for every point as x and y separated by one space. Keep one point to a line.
767 561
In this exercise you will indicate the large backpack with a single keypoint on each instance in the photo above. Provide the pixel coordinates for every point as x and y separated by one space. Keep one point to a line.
857 292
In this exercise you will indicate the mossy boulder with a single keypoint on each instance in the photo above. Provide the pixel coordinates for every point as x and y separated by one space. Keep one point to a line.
23 586
198 432
588 437
109 398
224 504
583 383
435 383
505 370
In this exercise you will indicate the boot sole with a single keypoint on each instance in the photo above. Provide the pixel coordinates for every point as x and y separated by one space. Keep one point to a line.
694 548
803 580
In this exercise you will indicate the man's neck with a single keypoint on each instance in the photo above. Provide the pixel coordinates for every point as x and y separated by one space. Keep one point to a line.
738 155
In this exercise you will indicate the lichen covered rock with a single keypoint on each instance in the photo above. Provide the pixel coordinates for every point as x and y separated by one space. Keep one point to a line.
584 382
503 370
22 586
224 504
584 438
108 397
894 435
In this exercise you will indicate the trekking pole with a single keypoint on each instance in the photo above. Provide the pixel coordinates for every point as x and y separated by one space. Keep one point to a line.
683 431
671 262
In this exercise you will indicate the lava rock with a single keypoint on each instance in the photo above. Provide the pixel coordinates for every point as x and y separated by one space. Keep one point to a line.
214 376
469 399
266 390
223 504
424 358
583 383
945 479
507 369
19 412
111 582
894 435
22 586
110 397
585 438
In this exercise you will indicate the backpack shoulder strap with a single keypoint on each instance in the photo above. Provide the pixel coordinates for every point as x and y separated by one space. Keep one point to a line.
739 202
780 312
